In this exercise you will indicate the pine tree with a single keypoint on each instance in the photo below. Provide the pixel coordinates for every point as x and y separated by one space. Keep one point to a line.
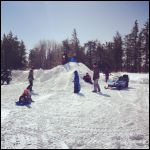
134 45
75 45
13 52
140 47
109 57
118 52
66 47
131 49
146 47
90 48
22 56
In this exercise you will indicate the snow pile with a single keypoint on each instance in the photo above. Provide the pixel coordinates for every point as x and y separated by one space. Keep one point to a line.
140 78
60 119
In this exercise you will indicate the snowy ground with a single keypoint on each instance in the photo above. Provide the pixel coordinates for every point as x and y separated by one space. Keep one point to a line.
61 119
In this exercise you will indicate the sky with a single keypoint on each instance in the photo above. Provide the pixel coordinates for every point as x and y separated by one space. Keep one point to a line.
33 21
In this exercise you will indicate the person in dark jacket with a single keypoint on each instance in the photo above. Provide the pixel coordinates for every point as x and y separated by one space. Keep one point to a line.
76 82
96 72
87 78
6 76
65 58
65 61
30 78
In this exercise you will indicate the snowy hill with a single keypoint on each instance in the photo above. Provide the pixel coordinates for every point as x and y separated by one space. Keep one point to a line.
61 119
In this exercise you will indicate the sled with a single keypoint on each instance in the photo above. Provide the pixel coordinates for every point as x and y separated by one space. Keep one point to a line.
24 103
119 83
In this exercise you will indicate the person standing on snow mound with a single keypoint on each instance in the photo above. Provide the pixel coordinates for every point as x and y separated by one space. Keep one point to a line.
65 61
30 78
65 58
76 82
96 78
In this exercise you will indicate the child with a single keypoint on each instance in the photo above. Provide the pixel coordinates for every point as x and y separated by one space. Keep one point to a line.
76 82
87 78
25 97
65 58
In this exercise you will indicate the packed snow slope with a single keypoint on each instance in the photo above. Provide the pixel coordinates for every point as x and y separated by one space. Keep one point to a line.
61 119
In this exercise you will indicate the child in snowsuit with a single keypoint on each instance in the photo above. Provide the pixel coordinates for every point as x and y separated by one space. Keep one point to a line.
76 82
87 78
25 97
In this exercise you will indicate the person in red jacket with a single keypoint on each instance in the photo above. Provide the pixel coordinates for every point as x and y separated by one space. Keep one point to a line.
26 96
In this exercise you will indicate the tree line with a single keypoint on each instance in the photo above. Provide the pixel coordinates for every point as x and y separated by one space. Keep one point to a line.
129 53
13 52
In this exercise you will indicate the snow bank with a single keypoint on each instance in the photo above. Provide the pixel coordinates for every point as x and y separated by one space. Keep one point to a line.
139 78
61 73
59 76
61 119
142 78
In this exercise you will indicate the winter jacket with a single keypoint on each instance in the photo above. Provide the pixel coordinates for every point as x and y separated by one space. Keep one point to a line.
25 96
96 73
30 77
87 78
65 59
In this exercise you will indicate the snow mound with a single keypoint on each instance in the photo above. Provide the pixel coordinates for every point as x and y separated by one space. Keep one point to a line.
60 119
60 76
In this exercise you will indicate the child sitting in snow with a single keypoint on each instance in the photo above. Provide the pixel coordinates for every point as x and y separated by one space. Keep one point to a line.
26 96
87 78
76 82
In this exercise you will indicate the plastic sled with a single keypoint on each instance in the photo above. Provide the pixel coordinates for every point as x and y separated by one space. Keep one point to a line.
24 103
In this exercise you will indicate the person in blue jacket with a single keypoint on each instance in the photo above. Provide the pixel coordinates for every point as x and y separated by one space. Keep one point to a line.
76 82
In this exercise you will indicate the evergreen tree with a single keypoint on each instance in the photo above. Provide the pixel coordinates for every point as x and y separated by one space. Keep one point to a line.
12 52
135 45
90 48
131 50
118 52
146 46
140 47
75 45
22 56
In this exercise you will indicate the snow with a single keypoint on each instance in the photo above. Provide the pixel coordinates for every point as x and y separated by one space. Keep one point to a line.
61 119
4 114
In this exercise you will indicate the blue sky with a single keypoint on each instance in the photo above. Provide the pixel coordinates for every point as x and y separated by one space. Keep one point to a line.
54 20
